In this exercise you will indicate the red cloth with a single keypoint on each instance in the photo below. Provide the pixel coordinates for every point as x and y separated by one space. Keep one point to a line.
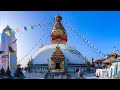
62 38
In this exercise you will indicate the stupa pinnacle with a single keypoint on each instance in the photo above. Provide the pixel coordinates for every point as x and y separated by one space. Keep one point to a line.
58 34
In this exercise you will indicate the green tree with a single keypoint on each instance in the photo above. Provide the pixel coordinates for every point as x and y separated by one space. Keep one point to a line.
29 65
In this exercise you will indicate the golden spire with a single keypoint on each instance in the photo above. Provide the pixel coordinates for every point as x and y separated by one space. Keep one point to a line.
58 34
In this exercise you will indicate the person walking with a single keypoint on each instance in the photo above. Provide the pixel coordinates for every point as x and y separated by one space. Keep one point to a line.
26 69
82 71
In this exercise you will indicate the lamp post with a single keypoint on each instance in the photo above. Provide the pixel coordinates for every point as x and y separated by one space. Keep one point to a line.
67 68
48 64
67 64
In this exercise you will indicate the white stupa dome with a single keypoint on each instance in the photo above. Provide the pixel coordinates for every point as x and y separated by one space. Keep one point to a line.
44 54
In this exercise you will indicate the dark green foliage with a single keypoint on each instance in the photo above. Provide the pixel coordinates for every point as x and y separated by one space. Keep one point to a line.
2 72
18 73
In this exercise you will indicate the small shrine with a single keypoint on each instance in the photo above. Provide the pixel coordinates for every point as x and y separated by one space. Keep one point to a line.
57 60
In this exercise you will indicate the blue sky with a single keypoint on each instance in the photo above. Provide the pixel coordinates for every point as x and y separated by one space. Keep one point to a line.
101 28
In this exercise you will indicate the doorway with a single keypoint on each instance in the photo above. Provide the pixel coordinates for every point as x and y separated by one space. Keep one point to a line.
57 66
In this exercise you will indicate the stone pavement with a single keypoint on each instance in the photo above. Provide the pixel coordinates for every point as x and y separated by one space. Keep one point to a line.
34 75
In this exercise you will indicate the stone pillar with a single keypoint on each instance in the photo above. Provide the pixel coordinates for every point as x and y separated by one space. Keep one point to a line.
12 63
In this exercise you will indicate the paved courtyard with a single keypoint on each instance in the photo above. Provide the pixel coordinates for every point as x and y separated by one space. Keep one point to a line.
41 75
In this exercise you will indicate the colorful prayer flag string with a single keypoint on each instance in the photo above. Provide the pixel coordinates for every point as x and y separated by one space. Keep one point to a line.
82 37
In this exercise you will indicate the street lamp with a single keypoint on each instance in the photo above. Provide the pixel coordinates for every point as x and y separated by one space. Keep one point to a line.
67 64
48 64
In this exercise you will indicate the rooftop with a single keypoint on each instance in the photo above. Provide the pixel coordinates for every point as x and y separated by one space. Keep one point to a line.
7 28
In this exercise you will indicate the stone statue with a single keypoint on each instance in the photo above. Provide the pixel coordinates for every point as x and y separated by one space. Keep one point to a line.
8 73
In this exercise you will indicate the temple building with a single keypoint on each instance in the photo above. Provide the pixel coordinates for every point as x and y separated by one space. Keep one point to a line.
58 56
112 57
57 60
98 62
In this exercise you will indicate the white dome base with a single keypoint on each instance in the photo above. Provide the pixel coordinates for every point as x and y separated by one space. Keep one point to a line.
71 54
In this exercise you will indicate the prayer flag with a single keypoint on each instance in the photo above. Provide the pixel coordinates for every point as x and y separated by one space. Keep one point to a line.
12 31
3 36
39 24
32 27
91 45
94 47
35 25
21 29
25 28
8 33
83 37
28 27
44 25
49 23
17 30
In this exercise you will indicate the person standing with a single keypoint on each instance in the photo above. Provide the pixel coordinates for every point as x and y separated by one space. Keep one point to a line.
26 69
78 71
